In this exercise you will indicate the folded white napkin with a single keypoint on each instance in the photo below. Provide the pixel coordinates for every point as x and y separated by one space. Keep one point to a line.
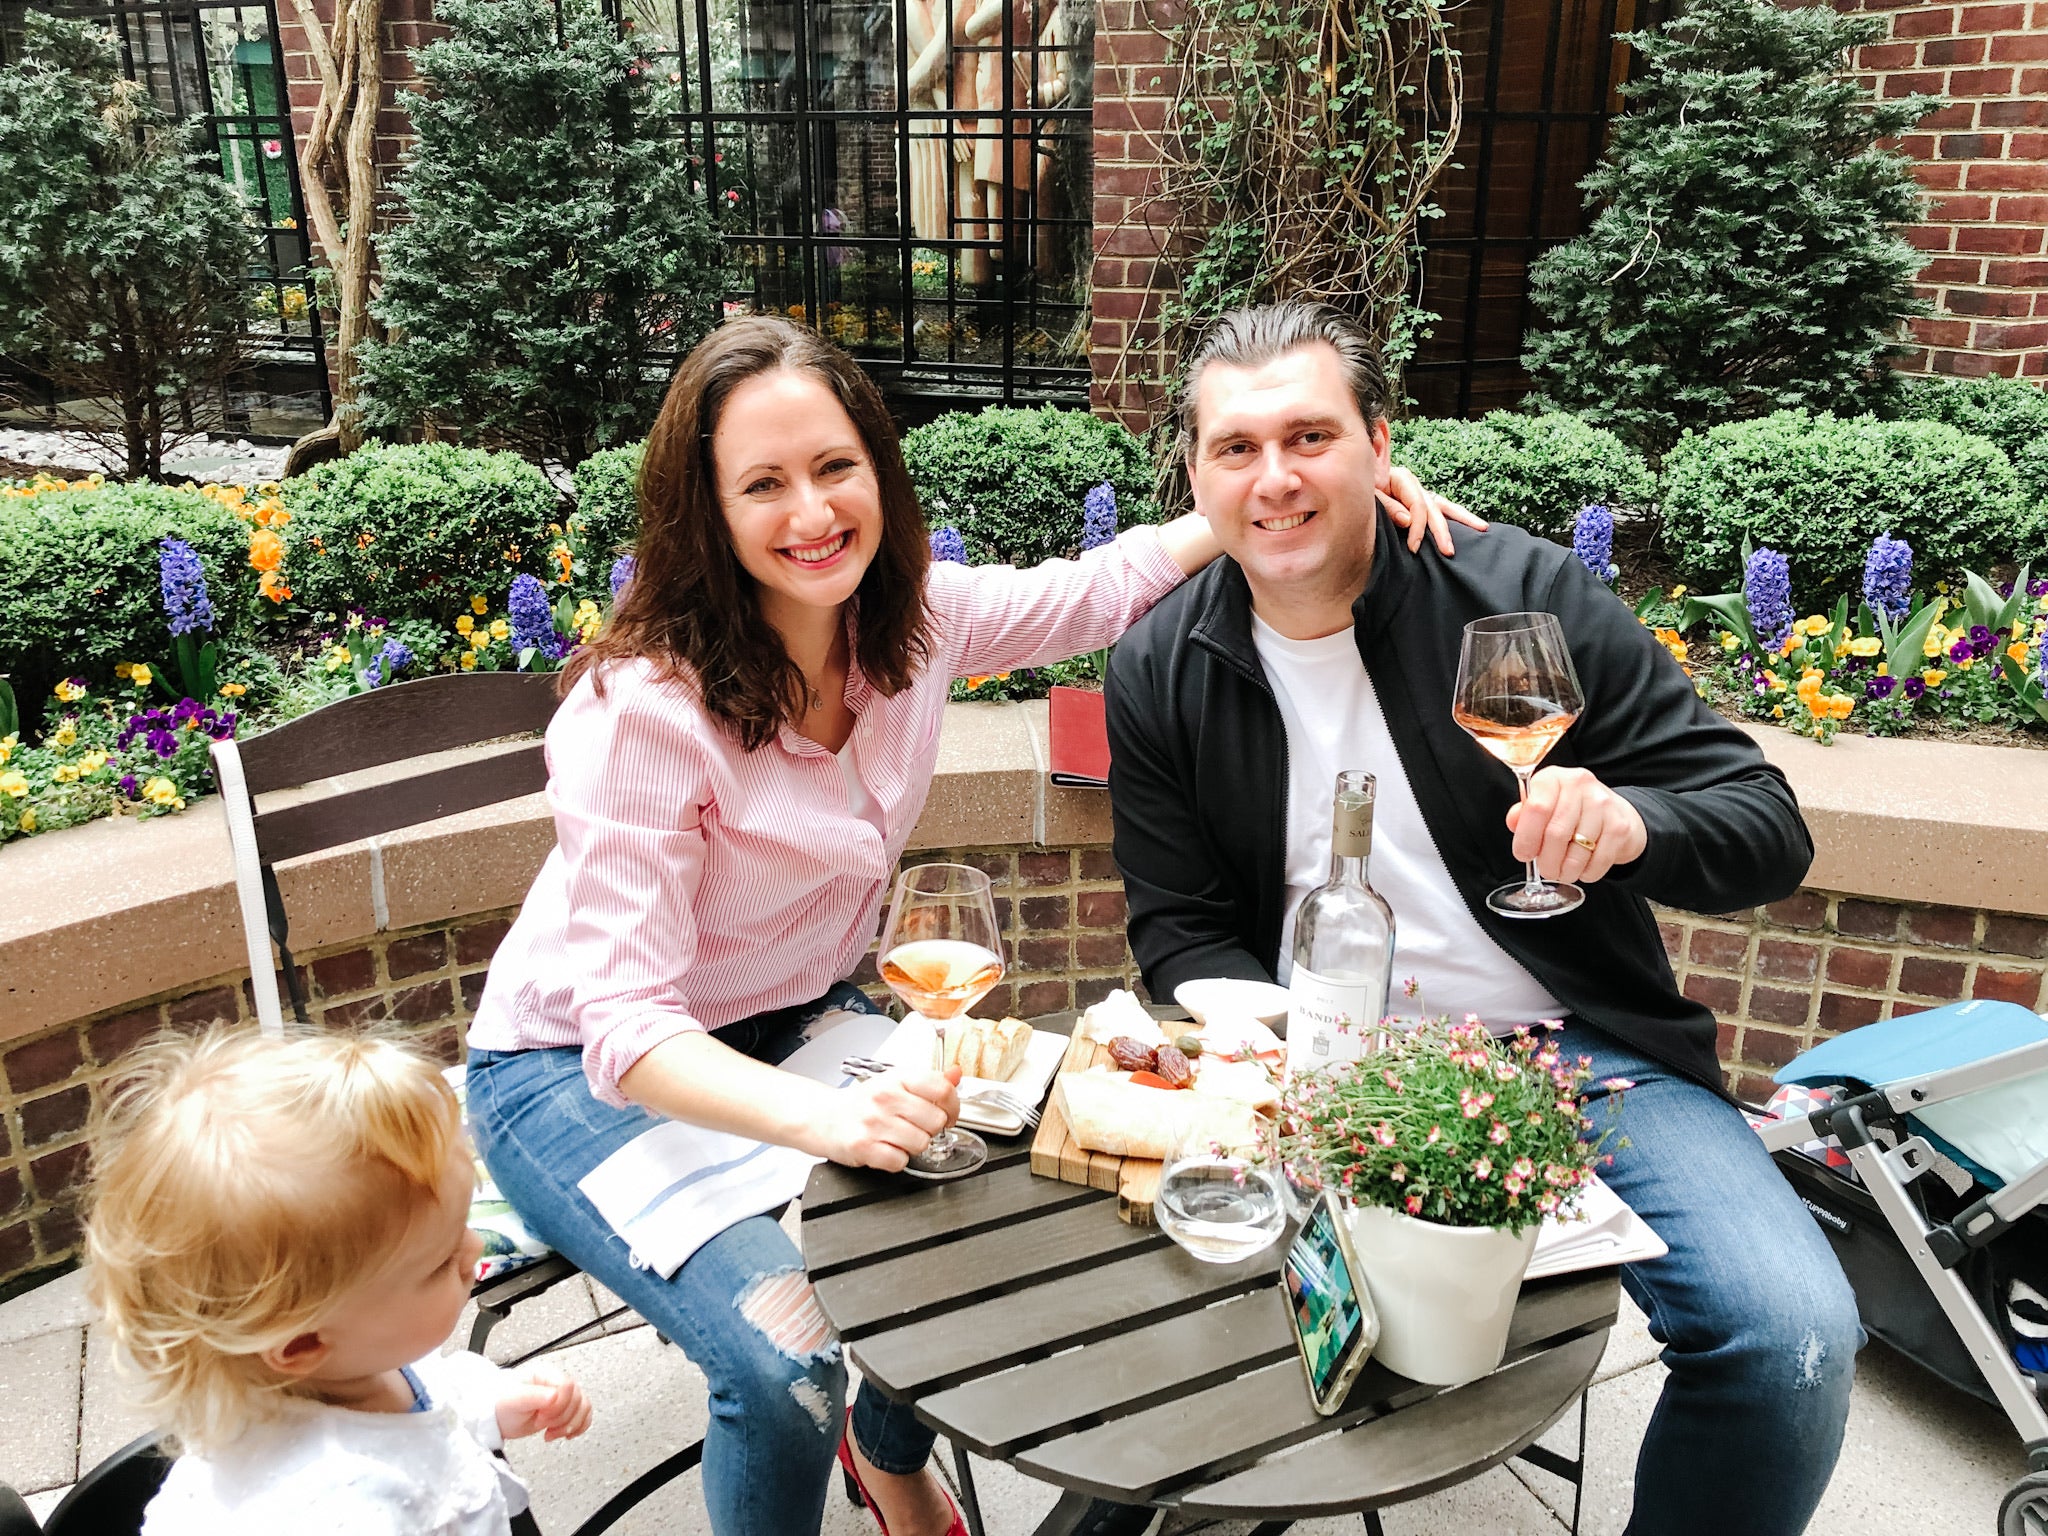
673 1188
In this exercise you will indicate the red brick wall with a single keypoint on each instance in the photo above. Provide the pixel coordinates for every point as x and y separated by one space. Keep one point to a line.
1984 161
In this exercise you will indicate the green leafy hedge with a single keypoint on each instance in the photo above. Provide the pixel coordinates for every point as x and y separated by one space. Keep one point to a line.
1818 489
2011 414
79 588
416 529
1012 480
1532 471
605 503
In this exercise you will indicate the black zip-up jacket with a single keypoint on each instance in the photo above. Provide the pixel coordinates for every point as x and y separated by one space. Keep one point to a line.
1198 782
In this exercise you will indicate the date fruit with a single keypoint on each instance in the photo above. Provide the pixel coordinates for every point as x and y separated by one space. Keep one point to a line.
1131 1055
1174 1067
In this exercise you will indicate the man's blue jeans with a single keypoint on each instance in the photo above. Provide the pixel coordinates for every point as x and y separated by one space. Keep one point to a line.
1758 1324
738 1308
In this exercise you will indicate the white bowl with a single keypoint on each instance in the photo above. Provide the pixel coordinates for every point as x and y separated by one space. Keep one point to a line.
1229 997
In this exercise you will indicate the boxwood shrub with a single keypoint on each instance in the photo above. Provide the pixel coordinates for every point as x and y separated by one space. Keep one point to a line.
1012 480
79 589
416 528
1818 489
605 503
1532 471
2013 415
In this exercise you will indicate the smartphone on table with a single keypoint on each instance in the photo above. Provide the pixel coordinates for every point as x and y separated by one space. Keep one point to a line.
1328 1305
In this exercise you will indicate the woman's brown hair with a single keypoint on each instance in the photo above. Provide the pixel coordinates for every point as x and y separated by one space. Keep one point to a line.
692 609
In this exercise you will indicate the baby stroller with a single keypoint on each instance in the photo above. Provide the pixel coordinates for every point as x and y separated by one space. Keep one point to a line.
1920 1145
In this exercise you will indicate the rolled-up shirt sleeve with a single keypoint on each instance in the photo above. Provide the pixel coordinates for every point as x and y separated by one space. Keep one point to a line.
997 617
628 788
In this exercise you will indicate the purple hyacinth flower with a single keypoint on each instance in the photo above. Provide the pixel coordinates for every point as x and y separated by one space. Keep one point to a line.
1880 687
948 545
622 572
1593 541
1098 516
1913 687
393 659
184 588
1767 594
1888 577
533 621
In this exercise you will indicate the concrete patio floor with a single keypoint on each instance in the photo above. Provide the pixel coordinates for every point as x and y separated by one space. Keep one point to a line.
1920 1457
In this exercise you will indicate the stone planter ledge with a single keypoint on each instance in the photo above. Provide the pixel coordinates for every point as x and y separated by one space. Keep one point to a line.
119 910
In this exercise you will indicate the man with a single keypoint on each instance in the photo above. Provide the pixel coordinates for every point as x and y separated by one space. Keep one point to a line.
1308 650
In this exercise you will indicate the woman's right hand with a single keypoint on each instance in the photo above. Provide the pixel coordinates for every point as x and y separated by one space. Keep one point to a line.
886 1121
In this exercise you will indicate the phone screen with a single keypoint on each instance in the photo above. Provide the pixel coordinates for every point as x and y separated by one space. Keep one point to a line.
1324 1294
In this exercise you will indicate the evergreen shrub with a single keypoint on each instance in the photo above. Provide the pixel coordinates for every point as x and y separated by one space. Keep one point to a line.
606 507
1013 480
2013 415
1818 489
416 529
1745 255
1532 471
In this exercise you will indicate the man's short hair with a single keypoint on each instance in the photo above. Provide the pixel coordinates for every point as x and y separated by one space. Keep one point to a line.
1253 337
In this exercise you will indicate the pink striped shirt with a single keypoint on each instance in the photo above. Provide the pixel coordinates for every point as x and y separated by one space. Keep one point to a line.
693 884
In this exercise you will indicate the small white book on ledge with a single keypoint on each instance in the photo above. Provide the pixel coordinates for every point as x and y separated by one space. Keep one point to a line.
1610 1233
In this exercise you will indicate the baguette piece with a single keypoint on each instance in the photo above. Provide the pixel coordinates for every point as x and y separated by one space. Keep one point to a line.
1107 1112
987 1048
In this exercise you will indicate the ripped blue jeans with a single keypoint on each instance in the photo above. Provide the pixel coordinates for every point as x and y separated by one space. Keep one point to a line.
739 1308
1758 1325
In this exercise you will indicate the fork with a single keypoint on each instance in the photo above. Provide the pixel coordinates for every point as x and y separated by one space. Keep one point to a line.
862 1067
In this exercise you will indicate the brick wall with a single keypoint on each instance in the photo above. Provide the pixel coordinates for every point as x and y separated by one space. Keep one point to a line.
1132 92
1984 161
1063 922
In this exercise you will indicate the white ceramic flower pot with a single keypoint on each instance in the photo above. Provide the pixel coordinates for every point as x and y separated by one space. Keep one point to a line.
1445 1295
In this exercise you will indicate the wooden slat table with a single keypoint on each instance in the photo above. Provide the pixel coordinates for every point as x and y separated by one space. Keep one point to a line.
1029 1325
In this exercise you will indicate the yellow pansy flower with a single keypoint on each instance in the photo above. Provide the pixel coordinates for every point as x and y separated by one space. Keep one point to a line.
160 791
500 629
122 669
464 624
477 605
28 819
14 782
7 745
1777 711
469 661
1677 593
1868 645
233 690
1933 677
93 762
1728 641
65 735
68 692
65 773
140 675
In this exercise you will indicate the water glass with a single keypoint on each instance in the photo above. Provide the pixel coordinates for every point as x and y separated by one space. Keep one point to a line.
1221 1203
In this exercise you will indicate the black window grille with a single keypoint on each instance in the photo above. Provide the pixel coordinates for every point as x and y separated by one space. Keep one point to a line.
914 177
1539 92
220 64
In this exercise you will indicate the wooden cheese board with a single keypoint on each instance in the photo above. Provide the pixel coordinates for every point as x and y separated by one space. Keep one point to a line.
1133 1180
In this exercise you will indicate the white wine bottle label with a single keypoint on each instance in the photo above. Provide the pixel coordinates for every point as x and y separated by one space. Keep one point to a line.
1329 1020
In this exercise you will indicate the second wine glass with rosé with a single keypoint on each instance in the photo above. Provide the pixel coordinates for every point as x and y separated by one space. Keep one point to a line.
1517 695
941 953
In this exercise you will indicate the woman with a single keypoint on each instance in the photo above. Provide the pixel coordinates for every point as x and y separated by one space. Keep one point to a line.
734 771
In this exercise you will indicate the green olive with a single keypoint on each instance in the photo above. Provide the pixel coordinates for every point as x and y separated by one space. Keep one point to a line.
1188 1046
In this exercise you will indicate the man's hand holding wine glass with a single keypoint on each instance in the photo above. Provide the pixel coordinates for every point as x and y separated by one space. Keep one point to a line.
1574 827
888 1120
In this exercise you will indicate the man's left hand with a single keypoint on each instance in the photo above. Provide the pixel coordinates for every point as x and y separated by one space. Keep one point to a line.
1575 827
1423 512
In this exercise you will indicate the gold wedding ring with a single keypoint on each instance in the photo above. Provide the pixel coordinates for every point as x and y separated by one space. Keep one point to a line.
1590 844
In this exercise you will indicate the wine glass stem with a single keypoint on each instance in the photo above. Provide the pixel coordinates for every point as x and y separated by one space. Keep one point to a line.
1533 884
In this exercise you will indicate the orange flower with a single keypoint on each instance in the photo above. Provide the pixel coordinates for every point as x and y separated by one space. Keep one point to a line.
561 554
271 585
2018 651
266 551
983 677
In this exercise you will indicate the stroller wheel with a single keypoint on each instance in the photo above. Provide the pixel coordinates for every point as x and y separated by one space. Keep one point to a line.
2025 1510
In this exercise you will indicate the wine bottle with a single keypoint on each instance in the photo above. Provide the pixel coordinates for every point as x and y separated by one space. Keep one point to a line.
1343 945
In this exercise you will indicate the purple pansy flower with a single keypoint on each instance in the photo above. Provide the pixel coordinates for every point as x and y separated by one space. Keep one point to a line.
1880 687
1767 594
1982 641
1960 651
129 787
1913 687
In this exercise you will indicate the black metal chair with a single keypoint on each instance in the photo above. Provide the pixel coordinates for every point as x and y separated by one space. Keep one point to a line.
400 723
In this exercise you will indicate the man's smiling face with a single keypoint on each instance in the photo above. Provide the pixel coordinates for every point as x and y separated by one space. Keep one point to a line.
1284 467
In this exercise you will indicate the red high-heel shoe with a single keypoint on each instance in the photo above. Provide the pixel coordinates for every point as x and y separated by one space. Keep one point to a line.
857 1491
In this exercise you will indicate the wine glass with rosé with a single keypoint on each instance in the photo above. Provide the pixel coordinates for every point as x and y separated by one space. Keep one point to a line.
940 954
1517 694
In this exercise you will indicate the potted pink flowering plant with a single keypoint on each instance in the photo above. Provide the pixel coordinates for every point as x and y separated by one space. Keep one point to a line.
1446 1149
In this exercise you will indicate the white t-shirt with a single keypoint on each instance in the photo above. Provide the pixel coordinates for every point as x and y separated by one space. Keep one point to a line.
1334 723
312 1469
858 801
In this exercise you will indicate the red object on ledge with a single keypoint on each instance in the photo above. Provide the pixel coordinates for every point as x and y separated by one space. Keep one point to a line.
1079 733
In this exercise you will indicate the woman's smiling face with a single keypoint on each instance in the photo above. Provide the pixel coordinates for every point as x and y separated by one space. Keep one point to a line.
798 490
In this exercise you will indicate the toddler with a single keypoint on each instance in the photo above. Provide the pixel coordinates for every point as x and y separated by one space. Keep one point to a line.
279 1240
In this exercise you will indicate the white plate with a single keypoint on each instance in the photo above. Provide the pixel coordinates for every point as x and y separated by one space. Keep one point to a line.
911 1045
1228 995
